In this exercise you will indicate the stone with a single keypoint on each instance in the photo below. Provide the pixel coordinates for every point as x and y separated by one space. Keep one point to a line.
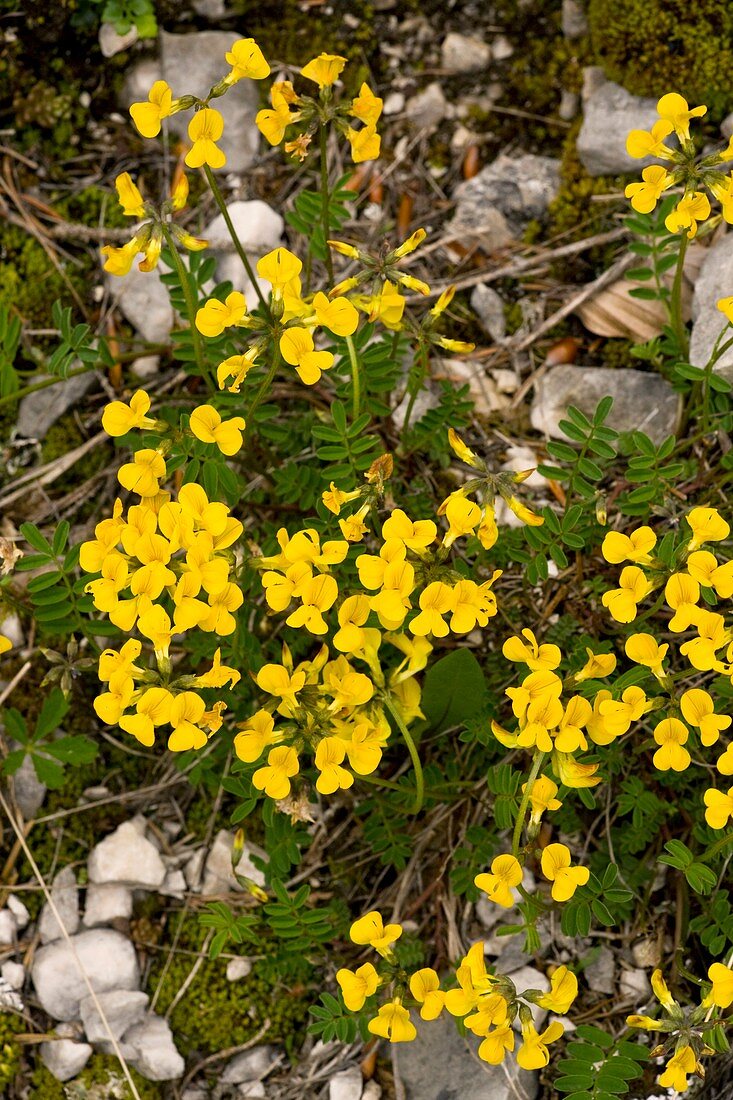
12 628
147 366
8 927
107 958
634 986
152 1050
259 229
643 401
174 885
501 48
518 188
346 1085
201 57
13 973
251 1090
210 9
139 79
600 973
646 953
714 280
122 1008
64 1058
65 895
19 911
250 1065
394 103
574 21
42 408
28 789
110 42
238 969
484 394
442 1065
569 105
106 902
372 1091
142 298
126 857
428 108
609 112
462 53
489 308
218 875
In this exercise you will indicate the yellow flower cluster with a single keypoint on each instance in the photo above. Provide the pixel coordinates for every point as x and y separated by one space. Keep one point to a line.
694 572
696 175
488 1004
686 1030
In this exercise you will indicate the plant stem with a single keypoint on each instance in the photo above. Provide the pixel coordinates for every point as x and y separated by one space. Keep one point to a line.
412 749
264 385
190 308
325 201
534 771
355 377
219 200
675 303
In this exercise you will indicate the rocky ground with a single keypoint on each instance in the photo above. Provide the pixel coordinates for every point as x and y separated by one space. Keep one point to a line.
520 188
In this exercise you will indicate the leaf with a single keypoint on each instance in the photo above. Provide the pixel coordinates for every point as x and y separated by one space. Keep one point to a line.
53 710
453 690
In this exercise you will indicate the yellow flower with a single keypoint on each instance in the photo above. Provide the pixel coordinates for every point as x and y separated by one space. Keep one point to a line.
118 418
496 1044
357 985
672 108
725 305
622 602
142 475
572 773
118 261
545 656
329 755
722 992
707 525
712 635
522 512
682 592
563 991
425 988
214 316
487 532
337 315
635 547
129 196
463 517
435 601
273 123
698 710
643 649
533 1053
645 196
365 143
618 714
204 130
278 268
542 797
690 210
671 734
719 807
386 306
393 1022
556 867
371 930
208 426
682 1063
186 712
318 594
236 367
367 106
274 779
147 116
324 69
461 450
415 535
473 604
254 736
650 143
152 709
597 666
298 349
246 60
506 872
703 567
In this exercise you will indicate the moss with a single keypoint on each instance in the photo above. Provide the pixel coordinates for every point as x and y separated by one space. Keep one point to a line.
216 1013
10 1048
101 1079
656 46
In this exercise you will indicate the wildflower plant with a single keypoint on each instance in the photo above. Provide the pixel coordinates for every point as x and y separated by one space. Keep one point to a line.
386 648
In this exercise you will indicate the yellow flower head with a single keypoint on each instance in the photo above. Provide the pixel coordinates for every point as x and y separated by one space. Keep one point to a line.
119 418
682 1063
707 525
324 69
371 930
246 60
208 426
118 261
204 130
557 868
698 710
367 106
671 734
365 143
622 601
690 210
329 756
719 807
215 316
129 196
357 985
148 116
393 1022
722 992
645 195
338 315
506 872
254 736
545 656
425 988
533 1053
673 109
278 268
298 349
643 649
494 1047
274 779
563 991
636 547
650 143
725 305
542 797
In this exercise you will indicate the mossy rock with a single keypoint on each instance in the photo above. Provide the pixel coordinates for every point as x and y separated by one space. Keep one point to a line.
10 1049
658 46
101 1079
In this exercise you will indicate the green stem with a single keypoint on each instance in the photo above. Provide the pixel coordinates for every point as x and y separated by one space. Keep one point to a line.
185 282
416 386
219 200
355 377
264 385
675 303
537 763
412 749
325 198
